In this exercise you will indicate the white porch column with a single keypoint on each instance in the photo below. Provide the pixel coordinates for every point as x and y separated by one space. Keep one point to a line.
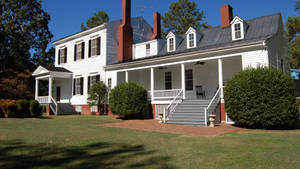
36 89
126 76
152 82
50 88
221 80
183 80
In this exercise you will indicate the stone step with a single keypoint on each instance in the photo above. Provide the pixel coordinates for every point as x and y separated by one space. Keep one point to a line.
186 123
189 111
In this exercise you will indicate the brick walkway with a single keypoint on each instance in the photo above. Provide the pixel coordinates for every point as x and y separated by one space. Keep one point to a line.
154 125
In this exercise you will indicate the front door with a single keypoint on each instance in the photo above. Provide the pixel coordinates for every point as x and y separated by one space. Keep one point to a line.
58 93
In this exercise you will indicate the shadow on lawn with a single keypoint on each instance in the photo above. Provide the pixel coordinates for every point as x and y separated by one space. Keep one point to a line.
17 154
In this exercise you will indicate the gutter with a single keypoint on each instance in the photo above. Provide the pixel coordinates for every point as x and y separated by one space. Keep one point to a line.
185 56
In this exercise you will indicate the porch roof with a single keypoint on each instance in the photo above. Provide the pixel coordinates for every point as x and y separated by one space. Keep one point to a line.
51 70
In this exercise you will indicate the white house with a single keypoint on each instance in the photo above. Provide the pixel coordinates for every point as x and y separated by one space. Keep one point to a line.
184 74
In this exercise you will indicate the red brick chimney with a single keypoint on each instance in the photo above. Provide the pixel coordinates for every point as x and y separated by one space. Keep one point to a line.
156 26
125 34
226 15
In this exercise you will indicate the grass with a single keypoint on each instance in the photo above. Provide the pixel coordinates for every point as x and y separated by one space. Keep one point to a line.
77 142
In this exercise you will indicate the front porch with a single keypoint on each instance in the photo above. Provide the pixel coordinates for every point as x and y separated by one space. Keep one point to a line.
170 85
53 88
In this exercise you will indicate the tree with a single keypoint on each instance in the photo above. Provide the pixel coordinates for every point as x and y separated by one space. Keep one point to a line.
293 30
97 94
24 34
182 15
96 20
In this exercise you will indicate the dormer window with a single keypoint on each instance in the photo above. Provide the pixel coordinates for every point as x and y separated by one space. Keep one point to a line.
238 28
191 38
171 44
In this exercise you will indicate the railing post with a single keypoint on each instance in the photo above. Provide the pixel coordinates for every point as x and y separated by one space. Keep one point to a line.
164 118
183 80
50 89
205 116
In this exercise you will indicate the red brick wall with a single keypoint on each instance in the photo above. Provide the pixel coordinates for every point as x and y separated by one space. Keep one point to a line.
223 113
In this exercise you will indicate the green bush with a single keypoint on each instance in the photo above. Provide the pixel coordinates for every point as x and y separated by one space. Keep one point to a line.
23 108
261 98
129 100
35 108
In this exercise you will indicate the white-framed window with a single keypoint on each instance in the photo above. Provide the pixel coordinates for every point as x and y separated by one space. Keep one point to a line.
79 51
189 84
191 40
238 28
168 80
95 47
94 108
237 31
78 86
171 44
62 55
109 84
93 80
147 49
78 108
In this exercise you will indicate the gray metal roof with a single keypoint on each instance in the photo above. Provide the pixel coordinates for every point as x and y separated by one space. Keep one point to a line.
261 28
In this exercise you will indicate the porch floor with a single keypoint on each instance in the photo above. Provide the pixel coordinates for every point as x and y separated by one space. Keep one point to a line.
154 125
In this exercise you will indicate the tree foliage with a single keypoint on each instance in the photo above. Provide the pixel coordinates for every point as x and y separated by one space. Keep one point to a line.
261 98
97 19
16 85
182 15
293 32
24 34
97 94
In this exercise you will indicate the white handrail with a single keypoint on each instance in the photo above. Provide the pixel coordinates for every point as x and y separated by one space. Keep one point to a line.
206 109
218 91
52 100
167 111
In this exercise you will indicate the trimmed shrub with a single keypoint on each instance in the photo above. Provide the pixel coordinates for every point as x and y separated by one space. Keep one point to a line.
23 108
261 98
129 100
35 108
9 108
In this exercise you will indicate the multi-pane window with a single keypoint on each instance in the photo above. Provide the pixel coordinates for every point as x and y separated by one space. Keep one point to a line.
95 47
109 84
168 80
93 80
237 31
189 79
79 51
147 49
171 44
94 108
191 40
62 55
78 86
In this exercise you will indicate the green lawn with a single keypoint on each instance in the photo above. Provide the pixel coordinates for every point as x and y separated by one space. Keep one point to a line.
77 142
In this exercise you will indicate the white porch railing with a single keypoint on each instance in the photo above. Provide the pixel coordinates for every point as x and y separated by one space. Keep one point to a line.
43 99
212 105
53 105
166 94
171 108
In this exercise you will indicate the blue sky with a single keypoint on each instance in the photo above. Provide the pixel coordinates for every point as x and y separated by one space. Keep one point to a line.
67 15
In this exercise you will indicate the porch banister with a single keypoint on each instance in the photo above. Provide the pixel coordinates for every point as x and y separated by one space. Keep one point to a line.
50 89
183 80
221 80
36 89
126 76
152 83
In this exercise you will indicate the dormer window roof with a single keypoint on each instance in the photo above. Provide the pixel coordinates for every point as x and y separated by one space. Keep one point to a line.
238 27
171 42
191 37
